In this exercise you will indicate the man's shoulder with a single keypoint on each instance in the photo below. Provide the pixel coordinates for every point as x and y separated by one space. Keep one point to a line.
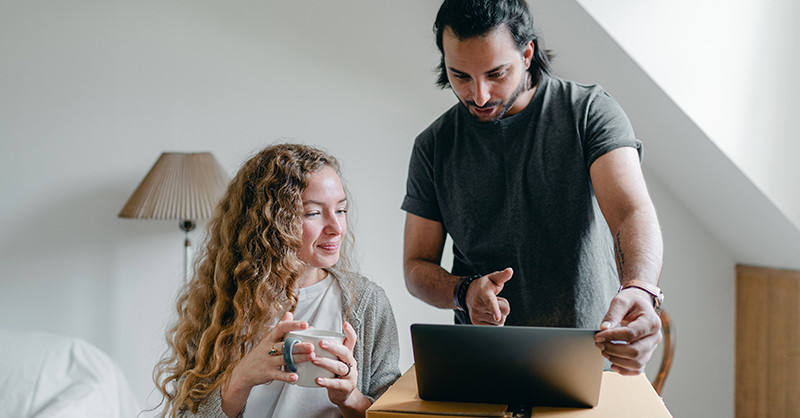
584 96
443 126
573 89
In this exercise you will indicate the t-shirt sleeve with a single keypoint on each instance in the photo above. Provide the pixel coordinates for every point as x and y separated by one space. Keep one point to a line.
606 128
420 197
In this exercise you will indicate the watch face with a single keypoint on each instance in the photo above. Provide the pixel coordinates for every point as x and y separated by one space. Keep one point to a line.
657 301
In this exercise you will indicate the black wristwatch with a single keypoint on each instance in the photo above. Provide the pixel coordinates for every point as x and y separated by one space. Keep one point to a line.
651 289
460 292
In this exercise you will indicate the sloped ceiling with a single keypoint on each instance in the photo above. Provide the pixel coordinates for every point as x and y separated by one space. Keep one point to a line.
677 152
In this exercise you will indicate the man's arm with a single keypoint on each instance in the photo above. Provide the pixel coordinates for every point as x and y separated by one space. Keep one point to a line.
423 245
622 195
427 280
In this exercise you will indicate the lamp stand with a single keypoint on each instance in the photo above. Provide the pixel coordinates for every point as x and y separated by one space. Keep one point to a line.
186 226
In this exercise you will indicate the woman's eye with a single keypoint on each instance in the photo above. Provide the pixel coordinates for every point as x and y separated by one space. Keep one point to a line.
341 211
311 214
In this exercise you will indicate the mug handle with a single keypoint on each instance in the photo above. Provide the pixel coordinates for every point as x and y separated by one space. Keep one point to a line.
287 353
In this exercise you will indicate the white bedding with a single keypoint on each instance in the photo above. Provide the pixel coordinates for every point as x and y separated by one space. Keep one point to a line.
45 376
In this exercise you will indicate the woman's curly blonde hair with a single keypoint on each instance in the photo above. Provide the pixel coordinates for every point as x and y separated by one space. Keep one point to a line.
246 276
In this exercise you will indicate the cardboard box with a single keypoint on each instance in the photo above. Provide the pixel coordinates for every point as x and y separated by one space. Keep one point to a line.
620 397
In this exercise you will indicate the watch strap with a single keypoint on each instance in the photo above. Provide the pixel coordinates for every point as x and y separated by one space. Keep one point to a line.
653 290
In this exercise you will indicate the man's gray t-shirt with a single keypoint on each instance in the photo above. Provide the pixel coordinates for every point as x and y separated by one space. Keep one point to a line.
517 193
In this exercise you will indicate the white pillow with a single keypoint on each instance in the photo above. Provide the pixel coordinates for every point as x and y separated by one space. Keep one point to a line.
47 376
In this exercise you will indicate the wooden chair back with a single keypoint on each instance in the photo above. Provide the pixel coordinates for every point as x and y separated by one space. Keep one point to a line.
668 342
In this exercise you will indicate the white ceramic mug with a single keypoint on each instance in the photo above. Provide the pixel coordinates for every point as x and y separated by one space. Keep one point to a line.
308 372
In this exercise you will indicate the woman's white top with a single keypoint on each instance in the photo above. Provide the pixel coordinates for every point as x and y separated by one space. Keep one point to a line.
321 306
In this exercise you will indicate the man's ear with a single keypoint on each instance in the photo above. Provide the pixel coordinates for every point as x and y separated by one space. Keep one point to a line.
527 54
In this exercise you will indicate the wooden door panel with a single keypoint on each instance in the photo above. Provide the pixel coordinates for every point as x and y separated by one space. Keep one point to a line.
767 342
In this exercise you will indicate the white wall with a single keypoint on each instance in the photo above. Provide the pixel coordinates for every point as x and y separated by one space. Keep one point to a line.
92 92
700 296
732 68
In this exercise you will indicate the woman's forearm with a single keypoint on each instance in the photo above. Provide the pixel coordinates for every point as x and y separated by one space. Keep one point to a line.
234 396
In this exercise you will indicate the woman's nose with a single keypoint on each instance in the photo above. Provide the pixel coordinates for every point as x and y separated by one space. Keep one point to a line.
334 226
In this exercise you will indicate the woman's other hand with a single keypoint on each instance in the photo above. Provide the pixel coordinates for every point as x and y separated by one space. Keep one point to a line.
342 389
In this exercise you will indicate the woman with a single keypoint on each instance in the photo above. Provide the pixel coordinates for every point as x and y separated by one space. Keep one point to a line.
277 260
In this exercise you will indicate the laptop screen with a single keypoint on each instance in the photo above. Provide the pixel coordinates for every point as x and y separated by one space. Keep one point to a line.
532 366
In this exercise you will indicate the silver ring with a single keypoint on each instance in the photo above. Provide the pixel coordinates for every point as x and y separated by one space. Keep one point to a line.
349 368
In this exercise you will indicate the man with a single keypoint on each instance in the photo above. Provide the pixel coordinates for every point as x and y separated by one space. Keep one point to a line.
537 180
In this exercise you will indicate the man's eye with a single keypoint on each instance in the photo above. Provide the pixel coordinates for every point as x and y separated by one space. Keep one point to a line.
496 74
460 76
341 211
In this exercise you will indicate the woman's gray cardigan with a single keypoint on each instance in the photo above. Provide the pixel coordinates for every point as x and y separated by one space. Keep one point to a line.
376 349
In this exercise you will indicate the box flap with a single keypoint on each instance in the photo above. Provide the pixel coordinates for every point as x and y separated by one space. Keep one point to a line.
620 397
402 397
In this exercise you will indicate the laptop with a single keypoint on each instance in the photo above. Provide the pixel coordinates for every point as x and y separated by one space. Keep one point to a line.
510 365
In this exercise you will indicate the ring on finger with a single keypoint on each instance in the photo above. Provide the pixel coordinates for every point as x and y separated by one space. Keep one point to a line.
349 369
274 352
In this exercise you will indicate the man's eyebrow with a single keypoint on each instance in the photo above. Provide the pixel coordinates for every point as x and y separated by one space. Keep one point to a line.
493 70
455 71
498 68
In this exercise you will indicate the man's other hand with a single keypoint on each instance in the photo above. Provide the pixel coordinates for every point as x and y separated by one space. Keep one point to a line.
630 331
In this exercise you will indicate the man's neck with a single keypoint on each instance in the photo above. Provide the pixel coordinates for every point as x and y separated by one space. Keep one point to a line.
522 101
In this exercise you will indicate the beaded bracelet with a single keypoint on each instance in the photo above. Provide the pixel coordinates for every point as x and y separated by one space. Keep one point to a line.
460 291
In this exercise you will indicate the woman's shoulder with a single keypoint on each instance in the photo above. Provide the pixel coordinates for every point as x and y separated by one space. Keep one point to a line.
355 281
360 289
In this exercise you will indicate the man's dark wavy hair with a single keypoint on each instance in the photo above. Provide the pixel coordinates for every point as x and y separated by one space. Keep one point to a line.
471 18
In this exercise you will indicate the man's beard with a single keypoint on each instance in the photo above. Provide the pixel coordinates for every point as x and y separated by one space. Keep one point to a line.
523 85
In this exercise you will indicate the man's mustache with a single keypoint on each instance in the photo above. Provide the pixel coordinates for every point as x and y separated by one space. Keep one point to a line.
486 106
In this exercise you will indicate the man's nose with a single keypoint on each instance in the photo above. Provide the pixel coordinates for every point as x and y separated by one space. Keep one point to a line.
481 94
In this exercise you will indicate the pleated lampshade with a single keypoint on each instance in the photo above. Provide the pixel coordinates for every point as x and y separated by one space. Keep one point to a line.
184 186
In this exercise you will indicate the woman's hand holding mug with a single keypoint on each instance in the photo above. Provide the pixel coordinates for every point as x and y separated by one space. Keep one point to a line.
263 364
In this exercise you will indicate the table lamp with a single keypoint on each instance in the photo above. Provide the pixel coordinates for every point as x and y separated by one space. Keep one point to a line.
182 186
